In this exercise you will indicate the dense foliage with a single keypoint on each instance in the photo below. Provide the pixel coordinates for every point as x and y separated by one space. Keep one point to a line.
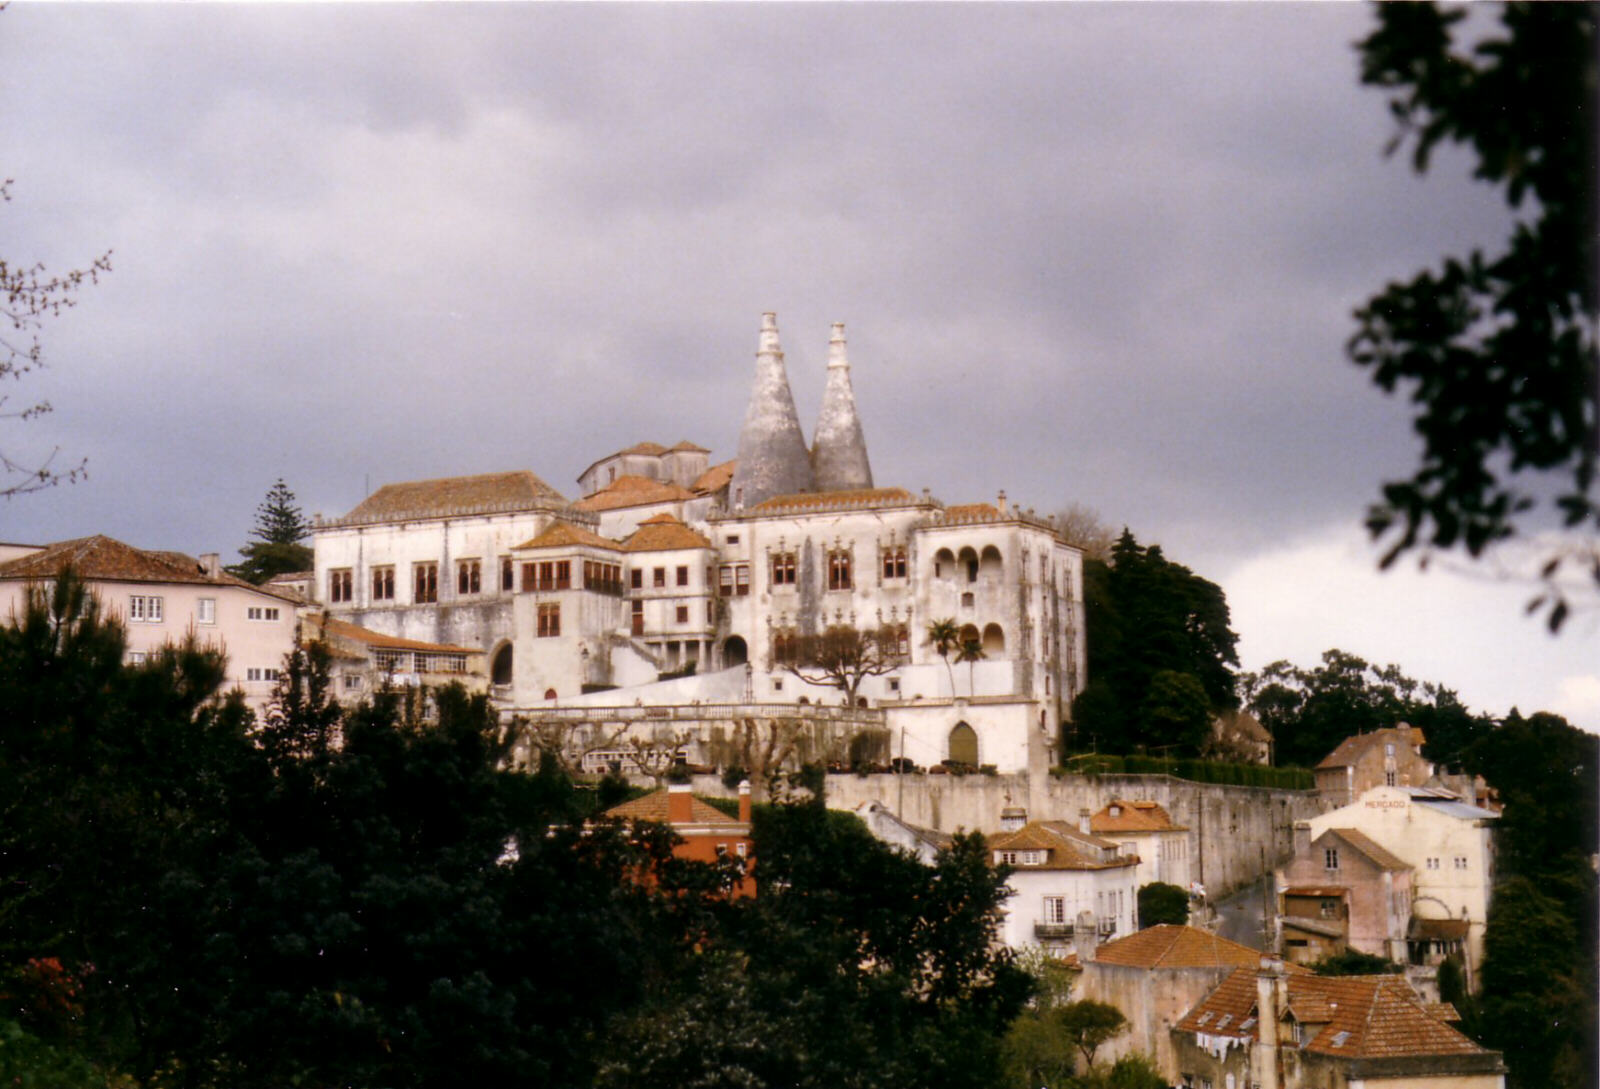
1310 711
1161 654
367 898
278 532
1498 352
1161 903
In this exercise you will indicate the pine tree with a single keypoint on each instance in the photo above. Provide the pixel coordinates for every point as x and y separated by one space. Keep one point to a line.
279 529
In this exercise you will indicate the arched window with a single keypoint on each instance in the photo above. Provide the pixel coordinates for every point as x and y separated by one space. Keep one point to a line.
549 693
964 744
969 564
944 564
991 566
969 634
500 671
734 651
994 641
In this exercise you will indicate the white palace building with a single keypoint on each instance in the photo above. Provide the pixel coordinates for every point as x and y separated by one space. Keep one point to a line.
663 600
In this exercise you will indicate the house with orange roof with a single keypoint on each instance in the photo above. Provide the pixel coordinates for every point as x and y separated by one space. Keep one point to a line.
1389 757
1279 1029
703 832
1069 887
362 661
1144 828
1155 976
162 598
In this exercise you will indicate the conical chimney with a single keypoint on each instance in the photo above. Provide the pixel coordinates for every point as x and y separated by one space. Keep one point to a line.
839 451
772 449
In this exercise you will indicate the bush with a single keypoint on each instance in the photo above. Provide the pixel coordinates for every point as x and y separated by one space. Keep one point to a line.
1163 903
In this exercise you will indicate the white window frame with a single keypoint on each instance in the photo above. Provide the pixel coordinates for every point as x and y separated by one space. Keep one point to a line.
205 610
145 609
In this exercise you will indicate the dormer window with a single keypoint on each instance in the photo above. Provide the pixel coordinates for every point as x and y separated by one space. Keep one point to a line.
1116 811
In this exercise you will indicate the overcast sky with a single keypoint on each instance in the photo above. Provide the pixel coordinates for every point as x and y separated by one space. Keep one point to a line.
1103 254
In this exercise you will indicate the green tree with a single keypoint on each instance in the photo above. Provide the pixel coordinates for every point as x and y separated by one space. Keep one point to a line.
945 636
1310 711
28 295
1353 962
1160 903
1087 1024
971 652
1146 616
1498 353
279 530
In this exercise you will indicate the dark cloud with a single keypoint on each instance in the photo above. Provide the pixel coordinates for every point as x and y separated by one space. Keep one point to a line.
1091 252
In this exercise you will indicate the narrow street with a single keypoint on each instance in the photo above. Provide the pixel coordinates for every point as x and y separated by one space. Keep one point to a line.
1239 915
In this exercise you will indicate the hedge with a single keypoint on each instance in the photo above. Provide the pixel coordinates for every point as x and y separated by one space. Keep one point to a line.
1197 771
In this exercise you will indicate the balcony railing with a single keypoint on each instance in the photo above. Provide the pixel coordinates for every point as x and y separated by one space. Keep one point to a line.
1045 931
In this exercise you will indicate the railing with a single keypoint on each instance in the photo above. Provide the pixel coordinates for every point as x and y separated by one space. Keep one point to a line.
702 712
1052 930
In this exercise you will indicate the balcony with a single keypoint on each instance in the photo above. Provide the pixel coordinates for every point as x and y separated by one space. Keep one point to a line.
1052 931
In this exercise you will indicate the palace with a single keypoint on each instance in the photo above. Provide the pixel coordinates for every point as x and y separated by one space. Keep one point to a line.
675 594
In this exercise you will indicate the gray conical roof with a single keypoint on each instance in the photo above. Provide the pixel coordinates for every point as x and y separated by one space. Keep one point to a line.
839 452
772 449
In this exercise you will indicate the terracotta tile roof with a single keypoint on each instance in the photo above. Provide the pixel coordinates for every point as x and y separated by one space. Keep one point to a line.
1140 816
663 533
1444 930
1169 946
632 491
687 447
324 627
972 510
650 448
1068 848
1351 749
1242 724
653 807
1361 1017
566 535
861 497
1360 841
488 493
107 559
715 478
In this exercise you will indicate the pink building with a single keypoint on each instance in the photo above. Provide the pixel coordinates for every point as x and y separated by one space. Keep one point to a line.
162 597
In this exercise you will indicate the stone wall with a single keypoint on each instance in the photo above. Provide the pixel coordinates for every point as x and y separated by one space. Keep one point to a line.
1237 832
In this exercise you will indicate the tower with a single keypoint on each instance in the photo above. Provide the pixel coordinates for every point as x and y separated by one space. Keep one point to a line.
839 452
772 449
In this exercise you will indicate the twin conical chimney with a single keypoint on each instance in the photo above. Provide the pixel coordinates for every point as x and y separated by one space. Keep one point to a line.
772 450
839 450
773 459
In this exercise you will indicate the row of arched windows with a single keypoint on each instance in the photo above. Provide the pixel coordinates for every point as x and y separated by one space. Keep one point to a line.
969 565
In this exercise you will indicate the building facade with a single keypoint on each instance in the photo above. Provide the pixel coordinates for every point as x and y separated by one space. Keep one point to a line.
676 582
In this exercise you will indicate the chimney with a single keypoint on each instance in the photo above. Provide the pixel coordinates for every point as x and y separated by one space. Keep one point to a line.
1001 501
838 449
744 801
1085 936
1083 822
1012 818
211 564
679 804
1269 1007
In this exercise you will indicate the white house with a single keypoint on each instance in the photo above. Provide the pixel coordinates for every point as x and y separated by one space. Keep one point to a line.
1448 844
1145 829
1069 887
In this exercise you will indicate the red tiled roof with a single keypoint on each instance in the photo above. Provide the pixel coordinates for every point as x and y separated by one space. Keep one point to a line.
632 491
653 807
1068 848
106 559
455 495
1140 816
859 497
1361 1017
566 535
663 533
1169 946
715 478
1351 748
687 447
326 626
972 510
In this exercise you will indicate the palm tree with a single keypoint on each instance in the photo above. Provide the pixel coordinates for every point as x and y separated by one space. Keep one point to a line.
971 651
945 637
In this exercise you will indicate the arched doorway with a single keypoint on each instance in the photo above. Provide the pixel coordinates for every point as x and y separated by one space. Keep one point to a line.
734 652
964 744
500 670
